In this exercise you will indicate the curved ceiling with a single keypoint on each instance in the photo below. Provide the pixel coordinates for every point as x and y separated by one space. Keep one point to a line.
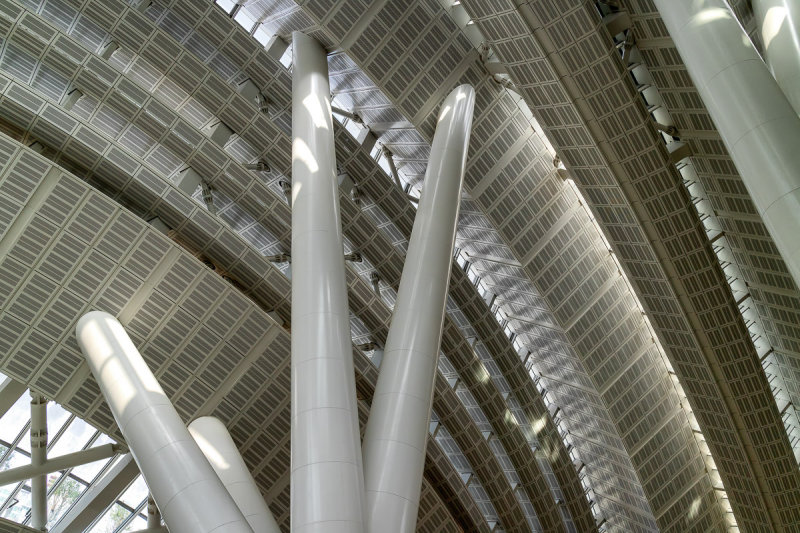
596 369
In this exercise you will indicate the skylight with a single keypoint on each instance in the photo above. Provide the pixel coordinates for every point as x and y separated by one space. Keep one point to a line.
66 434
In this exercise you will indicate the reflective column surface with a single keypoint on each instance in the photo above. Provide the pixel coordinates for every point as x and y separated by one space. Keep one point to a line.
217 445
186 489
779 26
327 485
756 121
397 430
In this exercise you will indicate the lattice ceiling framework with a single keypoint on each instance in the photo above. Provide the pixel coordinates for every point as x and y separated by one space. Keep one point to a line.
133 190
597 379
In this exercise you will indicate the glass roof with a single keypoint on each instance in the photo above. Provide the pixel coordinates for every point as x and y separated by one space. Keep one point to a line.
66 434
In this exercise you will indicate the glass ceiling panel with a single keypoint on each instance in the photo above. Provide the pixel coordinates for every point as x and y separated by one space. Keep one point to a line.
15 419
68 434
66 493
76 435
18 506
90 471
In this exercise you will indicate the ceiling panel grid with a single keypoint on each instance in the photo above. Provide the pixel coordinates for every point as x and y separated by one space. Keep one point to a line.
184 307
206 346
674 224
476 128
266 268
219 359
776 298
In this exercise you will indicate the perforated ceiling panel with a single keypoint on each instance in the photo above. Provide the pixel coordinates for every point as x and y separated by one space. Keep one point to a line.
390 278
659 211
196 230
595 380
68 249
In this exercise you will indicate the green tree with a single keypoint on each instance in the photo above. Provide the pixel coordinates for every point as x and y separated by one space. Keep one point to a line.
118 515
65 495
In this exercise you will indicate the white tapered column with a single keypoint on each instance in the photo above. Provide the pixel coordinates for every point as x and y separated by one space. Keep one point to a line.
397 430
38 458
217 445
327 485
188 492
757 124
779 27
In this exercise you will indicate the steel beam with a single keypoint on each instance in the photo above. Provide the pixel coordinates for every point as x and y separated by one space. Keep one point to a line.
56 464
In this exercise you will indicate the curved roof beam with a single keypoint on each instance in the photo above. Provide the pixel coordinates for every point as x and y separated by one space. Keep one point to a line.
534 493
677 244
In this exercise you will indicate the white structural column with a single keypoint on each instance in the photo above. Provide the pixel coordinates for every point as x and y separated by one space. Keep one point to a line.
217 445
327 484
397 430
757 124
153 514
38 458
188 492
779 27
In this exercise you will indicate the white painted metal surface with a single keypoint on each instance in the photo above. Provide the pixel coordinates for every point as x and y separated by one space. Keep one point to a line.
757 124
326 479
56 464
397 430
217 445
38 459
188 492
779 26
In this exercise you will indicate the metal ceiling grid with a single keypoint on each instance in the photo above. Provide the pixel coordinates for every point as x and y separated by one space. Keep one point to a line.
215 341
583 23
477 126
386 313
554 358
776 298
216 369
94 254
